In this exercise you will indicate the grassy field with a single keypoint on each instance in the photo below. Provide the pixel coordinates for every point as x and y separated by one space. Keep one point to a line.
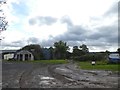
50 61
44 61
99 66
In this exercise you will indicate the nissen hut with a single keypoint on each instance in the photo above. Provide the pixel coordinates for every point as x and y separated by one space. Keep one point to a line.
23 55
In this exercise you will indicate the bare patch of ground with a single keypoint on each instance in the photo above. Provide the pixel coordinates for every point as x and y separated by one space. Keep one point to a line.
36 75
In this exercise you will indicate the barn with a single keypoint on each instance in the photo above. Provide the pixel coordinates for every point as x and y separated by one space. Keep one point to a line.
23 55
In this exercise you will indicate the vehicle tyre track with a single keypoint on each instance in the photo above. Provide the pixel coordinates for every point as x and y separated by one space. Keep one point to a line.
25 77
67 81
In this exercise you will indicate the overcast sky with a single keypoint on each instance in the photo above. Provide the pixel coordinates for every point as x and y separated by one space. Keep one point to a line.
77 22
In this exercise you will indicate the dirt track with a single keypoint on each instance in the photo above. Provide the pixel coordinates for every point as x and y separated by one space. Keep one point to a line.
29 75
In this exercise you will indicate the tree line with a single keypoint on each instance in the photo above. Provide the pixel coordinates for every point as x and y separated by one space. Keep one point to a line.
60 50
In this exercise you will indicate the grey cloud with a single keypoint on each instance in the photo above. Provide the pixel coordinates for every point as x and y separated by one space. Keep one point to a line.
104 32
67 20
113 40
74 43
119 7
47 43
18 43
32 21
119 37
70 37
43 43
33 40
109 33
40 20
77 30
73 33
113 10
105 36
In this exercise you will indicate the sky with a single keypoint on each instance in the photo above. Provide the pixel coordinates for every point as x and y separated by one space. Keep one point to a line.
77 22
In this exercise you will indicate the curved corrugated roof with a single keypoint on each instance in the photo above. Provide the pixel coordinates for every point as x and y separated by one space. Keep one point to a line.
24 52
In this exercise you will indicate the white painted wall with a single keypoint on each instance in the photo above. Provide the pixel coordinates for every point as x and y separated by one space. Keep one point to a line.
8 56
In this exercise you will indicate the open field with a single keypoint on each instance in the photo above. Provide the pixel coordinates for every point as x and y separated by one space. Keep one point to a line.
99 66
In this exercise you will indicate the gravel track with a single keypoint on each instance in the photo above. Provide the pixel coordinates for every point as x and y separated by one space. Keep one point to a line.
34 75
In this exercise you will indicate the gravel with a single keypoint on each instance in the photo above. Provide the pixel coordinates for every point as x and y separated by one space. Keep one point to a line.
36 75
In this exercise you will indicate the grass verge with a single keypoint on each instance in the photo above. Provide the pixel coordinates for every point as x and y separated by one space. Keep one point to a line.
43 61
99 66
50 61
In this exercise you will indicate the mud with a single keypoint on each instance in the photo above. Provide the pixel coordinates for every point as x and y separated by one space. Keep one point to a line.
32 75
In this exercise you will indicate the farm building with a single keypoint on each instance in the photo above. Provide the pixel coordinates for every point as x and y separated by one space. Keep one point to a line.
8 56
114 58
23 55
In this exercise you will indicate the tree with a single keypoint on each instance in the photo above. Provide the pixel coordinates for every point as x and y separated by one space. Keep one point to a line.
76 51
3 22
118 50
68 55
84 48
107 51
35 49
51 52
60 49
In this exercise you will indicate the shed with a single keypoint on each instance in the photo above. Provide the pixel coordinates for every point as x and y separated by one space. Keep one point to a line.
8 56
23 55
114 57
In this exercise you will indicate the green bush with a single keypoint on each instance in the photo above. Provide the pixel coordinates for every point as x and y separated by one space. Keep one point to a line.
102 62
90 57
